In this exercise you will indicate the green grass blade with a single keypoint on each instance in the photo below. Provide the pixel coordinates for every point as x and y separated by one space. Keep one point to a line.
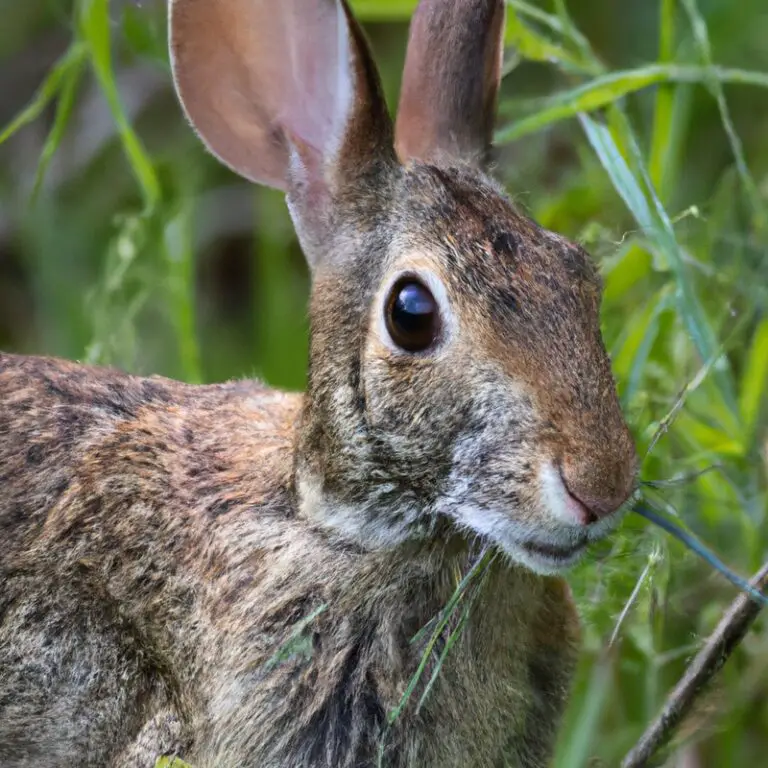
297 644
693 314
607 89
452 638
542 17
383 10
663 112
180 264
476 590
578 737
653 560
701 37
71 59
64 107
475 572
655 222
171 762
535 46
93 17
671 415
754 381
574 33
621 176
280 318
695 546
475 576
642 337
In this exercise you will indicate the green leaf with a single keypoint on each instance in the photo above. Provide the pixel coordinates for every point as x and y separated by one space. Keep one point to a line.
71 59
655 222
93 17
755 380
607 89
383 10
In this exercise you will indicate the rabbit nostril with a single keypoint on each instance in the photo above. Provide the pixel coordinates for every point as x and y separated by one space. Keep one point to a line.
591 516
596 505
600 496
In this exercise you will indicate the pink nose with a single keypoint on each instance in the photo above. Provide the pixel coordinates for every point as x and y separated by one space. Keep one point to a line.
601 493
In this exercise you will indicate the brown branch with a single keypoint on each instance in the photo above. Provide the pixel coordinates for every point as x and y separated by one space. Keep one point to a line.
721 644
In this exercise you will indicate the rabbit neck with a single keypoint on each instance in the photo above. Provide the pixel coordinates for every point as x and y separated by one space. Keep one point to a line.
349 646
384 518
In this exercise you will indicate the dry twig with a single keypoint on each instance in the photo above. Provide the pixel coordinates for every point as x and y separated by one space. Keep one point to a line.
721 643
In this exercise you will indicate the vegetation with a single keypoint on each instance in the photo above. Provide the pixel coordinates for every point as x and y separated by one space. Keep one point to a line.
636 127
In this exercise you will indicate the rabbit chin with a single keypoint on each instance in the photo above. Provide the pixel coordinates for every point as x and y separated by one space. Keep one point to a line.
546 551
547 548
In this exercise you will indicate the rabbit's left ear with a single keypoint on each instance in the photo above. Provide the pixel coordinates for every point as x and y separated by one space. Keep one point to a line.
451 81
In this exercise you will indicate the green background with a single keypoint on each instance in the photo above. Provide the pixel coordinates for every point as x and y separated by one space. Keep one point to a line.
122 242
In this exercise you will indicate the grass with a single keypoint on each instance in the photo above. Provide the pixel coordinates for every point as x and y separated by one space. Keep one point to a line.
639 132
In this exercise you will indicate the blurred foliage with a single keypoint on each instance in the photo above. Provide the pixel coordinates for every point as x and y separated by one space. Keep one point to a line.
637 128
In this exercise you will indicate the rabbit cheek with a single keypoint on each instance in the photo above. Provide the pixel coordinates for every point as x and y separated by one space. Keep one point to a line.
402 396
493 489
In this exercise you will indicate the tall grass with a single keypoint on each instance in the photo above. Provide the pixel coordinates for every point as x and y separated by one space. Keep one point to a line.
637 128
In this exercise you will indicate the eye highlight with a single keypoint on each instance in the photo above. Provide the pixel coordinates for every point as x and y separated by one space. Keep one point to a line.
412 315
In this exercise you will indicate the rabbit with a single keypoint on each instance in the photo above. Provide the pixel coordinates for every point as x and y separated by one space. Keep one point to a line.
239 575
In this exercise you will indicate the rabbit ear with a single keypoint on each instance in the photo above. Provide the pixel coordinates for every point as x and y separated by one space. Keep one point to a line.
282 91
451 80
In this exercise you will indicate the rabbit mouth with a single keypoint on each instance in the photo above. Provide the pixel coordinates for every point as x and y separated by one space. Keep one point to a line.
553 556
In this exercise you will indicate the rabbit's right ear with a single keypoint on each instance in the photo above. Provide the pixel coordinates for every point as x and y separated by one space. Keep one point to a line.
284 92
451 81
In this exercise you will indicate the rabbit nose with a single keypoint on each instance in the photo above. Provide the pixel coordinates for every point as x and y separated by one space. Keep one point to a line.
600 487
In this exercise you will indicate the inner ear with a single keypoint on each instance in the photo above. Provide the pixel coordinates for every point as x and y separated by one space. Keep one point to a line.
285 92
451 81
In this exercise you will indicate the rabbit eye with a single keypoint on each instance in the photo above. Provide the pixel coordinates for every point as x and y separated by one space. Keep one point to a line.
412 316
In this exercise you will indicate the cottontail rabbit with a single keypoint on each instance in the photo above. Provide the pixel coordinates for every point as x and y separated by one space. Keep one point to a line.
164 544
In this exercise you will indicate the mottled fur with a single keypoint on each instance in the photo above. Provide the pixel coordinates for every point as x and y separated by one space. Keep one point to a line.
153 556
163 545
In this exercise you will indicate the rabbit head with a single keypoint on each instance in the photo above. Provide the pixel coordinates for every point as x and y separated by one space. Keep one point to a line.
457 373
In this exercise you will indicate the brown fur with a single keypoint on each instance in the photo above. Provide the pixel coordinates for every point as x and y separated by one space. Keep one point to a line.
148 564
237 574
456 117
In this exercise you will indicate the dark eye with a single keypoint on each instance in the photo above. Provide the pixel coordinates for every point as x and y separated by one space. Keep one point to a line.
412 316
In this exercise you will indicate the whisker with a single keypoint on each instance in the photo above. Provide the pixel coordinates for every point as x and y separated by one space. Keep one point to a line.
703 552
681 479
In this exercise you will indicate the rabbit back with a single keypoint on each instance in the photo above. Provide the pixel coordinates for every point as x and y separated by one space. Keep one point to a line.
99 473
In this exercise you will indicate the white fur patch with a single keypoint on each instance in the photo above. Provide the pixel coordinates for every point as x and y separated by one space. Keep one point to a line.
371 526
555 495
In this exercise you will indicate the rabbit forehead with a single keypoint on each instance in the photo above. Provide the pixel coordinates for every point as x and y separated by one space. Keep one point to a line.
470 214
462 223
